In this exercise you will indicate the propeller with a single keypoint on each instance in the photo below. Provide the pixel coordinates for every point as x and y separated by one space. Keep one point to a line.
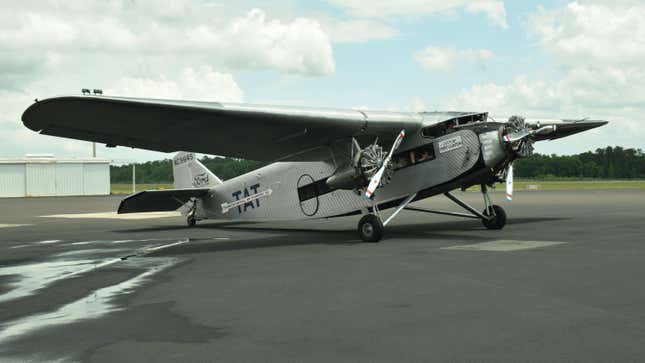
509 182
375 181
520 138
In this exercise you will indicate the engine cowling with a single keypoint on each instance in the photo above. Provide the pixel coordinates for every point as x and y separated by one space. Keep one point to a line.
364 165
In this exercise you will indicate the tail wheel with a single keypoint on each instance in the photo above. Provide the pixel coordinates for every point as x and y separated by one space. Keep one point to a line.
191 221
499 217
370 228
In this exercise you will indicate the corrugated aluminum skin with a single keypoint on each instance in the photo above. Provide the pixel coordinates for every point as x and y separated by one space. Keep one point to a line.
12 180
284 178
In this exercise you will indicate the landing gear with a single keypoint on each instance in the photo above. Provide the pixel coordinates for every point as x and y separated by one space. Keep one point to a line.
190 218
493 217
370 228
497 217
191 221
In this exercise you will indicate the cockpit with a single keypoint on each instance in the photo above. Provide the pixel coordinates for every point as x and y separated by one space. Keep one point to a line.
451 121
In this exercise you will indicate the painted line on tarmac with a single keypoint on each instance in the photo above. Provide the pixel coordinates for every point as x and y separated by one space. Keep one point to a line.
504 246
114 215
5 225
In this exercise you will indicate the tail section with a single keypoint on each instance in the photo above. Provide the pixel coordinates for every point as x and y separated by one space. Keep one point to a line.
188 172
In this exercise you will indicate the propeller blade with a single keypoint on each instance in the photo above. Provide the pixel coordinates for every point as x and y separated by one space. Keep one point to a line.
376 178
509 183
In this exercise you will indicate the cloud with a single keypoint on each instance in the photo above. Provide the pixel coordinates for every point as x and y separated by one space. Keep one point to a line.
611 33
437 58
358 30
248 41
493 9
196 85
598 49
254 42
183 49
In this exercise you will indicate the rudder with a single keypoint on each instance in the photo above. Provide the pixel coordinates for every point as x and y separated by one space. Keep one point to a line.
188 172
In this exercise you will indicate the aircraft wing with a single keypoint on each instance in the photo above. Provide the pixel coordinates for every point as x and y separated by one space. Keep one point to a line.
267 133
159 200
564 128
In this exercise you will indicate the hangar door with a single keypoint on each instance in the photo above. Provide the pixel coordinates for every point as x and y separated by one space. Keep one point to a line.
39 179
12 180
69 179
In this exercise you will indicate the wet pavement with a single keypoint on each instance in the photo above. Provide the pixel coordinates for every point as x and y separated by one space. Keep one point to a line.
560 282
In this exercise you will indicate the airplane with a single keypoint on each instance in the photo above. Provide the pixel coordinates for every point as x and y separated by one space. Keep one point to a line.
326 162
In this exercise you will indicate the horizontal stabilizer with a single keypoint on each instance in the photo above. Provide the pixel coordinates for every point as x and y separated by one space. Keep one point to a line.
159 200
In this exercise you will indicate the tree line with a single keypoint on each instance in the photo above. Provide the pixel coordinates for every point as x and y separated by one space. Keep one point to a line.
606 163
160 171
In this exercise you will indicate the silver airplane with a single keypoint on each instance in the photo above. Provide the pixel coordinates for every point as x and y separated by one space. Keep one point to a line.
326 162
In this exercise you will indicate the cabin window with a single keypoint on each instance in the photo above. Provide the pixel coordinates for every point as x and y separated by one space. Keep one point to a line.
415 156
313 190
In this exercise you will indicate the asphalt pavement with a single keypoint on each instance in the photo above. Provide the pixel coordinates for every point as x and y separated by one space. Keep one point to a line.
562 282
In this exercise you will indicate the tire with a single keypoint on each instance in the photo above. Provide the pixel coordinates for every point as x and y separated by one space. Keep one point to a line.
498 221
191 221
370 228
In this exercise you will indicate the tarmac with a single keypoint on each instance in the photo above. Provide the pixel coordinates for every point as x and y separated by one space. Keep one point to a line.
562 282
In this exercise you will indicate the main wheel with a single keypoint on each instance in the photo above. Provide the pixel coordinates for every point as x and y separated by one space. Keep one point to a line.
499 219
191 221
370 228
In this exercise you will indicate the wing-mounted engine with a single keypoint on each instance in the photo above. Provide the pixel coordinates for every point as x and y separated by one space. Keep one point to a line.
370 168
365 163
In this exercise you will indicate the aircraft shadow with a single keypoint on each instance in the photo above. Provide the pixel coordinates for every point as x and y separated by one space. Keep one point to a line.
179 227
300 236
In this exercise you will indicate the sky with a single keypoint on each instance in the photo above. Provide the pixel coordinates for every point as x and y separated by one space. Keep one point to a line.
552 59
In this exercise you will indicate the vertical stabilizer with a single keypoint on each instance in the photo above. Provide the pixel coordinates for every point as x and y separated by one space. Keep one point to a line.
188 172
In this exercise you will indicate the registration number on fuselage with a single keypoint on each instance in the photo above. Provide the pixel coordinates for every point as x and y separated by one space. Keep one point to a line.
450 144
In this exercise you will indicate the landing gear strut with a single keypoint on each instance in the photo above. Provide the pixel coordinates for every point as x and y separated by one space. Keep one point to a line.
493 217
371 228
190 218
496 216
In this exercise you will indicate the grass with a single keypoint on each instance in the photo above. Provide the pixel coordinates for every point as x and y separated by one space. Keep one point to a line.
127 188
519 185
574 185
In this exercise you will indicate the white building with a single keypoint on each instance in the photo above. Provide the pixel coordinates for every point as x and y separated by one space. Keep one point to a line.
44 176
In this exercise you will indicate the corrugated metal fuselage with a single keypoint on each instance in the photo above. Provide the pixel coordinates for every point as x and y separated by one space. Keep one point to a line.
298 191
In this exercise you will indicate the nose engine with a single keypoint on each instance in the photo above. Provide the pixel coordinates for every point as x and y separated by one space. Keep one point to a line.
519 137
512 140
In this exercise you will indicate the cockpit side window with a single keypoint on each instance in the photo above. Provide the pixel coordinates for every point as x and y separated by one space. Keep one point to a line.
415 156
451 125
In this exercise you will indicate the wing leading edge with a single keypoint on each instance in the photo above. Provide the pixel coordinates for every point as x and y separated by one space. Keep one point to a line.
255 132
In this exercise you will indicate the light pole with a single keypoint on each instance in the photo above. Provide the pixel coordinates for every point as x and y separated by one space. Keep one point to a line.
134 178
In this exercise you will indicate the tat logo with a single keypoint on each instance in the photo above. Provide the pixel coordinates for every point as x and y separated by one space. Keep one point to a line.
241 194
